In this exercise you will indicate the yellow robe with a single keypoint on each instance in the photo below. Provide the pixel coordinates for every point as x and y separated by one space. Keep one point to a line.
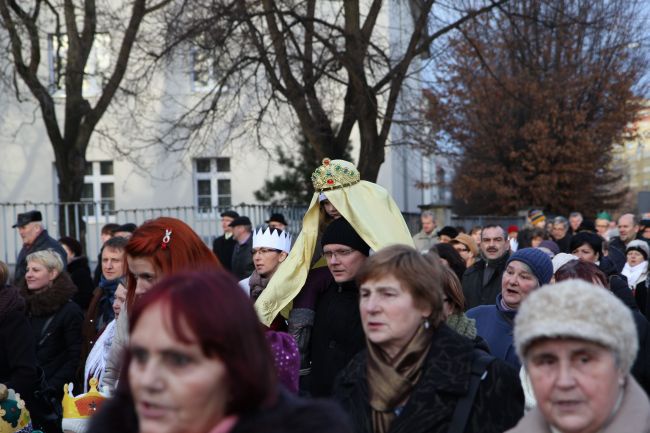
370 210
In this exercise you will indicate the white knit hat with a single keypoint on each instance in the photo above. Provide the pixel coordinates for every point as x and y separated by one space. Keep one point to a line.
577 309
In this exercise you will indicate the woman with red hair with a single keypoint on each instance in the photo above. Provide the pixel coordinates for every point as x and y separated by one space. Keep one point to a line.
160 247
198 362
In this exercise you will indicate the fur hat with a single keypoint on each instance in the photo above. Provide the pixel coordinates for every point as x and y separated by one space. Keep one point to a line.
538 262
468 241
577 309
640 246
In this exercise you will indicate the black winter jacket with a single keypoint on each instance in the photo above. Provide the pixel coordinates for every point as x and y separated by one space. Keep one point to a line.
337 335
80 273
290 414
242 259
56 330
475 292
223 249
445 378
42 242
18 364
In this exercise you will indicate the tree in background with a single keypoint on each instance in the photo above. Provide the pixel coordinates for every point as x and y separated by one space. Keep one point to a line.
80 36
318 63
294 186
535 97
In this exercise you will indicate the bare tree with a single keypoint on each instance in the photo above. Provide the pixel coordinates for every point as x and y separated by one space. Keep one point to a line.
72 29
535 97
317 63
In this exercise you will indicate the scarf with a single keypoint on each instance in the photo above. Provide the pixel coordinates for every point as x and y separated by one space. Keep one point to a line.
462 325
105 306
96 361
390 381
257 283
634 273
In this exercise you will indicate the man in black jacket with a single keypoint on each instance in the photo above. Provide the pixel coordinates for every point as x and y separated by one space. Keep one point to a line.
242 256
482 280
35 238
224 245
337 334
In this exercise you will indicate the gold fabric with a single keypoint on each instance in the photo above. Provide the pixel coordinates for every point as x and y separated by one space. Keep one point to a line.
372 212
390 381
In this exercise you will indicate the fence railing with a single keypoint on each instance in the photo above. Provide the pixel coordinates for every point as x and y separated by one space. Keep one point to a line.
87 219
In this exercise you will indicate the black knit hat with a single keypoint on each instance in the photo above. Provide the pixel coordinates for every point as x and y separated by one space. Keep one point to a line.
341 232
448 231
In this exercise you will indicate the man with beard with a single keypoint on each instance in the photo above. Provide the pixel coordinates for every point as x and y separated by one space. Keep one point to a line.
482 281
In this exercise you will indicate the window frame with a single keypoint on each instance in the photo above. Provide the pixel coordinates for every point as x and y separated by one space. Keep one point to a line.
213 175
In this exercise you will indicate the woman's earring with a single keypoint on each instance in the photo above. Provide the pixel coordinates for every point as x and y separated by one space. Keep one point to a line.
427 325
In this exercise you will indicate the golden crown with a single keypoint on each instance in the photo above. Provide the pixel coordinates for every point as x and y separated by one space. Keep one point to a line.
334 174
84 405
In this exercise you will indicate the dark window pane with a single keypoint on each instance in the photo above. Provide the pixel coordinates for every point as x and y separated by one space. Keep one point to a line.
203 187
205 203
223 165
89 168
203 165
225 200
108 191
87 192
223 186
106 167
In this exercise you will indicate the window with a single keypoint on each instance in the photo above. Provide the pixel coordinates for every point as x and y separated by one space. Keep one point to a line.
204 70
212 182
96 70
99 187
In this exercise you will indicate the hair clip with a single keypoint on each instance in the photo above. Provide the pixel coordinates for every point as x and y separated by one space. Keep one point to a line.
166 239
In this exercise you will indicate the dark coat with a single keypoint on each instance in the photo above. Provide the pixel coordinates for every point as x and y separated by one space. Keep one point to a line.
223 249
445 378
42 242
475 292
337 335
242 259
58 346
290 414
80 274
18 364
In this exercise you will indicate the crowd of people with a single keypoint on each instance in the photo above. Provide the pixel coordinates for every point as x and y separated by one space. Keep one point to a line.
353 325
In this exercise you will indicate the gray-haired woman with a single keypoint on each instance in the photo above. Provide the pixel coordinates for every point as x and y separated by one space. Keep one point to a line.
578 343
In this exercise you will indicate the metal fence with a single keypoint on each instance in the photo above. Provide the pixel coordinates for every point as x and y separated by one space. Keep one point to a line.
68 219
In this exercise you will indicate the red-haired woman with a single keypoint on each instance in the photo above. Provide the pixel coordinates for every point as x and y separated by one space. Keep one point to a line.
160 247
198 362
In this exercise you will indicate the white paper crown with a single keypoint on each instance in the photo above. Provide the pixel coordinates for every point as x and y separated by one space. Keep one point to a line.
272 238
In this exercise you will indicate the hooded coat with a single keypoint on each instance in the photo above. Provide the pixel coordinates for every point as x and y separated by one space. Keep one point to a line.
56 330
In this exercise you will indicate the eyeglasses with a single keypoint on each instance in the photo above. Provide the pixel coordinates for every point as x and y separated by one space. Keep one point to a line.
265 251
329 255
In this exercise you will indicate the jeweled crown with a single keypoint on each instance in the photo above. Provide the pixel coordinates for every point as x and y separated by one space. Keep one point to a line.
334 174
272 238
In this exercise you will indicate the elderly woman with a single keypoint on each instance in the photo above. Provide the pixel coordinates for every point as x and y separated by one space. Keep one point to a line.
415 370
55 320
578 342
198 362
526 270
